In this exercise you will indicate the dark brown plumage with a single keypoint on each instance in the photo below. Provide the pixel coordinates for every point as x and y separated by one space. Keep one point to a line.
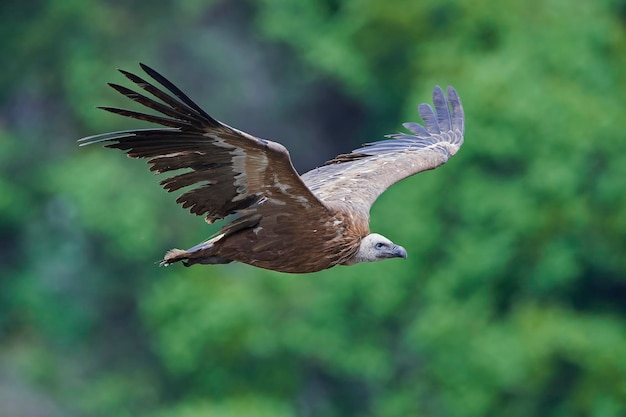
285 222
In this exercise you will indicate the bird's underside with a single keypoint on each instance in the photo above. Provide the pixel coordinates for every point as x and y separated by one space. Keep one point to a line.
283 221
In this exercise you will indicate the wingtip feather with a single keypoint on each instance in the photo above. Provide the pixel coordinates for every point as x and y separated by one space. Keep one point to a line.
458 115
442 110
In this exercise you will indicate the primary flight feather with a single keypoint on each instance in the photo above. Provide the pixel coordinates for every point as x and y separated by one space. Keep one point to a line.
285 222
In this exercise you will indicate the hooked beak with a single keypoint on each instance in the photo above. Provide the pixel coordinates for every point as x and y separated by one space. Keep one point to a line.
398 252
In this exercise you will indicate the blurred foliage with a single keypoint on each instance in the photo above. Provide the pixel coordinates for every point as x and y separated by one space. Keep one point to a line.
511 303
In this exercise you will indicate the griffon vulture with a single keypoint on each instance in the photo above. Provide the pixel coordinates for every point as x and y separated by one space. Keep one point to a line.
284 222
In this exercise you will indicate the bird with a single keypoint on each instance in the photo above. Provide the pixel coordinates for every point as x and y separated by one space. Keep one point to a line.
276 219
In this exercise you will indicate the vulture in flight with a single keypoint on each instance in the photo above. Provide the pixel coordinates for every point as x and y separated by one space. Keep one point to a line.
282 221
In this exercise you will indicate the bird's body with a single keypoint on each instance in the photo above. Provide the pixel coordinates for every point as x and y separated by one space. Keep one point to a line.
284 222
278 243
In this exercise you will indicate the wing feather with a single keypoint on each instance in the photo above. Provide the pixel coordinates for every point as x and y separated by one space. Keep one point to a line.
175 90
416 128
441 106
225 170
358 178
429 117
148 102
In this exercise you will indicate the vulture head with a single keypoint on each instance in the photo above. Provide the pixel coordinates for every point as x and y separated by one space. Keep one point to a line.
375 247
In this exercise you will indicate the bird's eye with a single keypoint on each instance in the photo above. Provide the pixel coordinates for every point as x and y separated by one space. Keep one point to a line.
379 245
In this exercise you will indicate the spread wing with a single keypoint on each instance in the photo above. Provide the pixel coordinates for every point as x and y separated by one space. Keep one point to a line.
359 177
225 170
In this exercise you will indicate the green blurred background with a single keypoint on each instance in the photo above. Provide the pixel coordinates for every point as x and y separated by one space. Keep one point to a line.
512 301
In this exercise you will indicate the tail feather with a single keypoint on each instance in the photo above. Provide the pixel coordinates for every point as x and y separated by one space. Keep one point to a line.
195 255
173 256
